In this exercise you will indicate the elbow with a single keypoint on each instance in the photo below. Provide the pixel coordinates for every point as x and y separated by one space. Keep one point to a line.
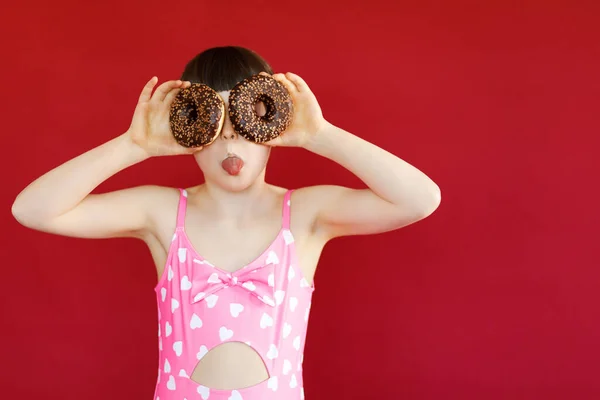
434 202
18 213
22 215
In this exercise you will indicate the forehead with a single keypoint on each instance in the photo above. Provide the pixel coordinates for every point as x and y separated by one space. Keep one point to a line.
224 95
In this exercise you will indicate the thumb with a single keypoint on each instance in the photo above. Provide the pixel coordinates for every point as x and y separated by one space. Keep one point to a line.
278 141
139 116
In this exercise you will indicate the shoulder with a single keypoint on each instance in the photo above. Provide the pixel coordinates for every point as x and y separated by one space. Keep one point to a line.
161 205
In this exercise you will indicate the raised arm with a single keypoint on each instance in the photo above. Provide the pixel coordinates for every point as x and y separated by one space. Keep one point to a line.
398 194
60 201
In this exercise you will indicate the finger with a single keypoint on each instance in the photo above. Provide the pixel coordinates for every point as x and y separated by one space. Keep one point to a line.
274 142
170 97
263 73
299 82
138 116
147 90
162 91
291 88
192 150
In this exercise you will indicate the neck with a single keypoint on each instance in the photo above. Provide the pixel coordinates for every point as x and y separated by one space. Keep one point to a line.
234 205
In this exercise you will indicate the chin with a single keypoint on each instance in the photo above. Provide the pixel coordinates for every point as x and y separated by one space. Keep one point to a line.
232 183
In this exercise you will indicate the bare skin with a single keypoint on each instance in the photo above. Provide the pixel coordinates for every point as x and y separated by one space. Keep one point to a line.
241 212
233 365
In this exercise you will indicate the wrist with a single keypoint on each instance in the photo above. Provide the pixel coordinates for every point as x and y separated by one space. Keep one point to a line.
132 149
322 139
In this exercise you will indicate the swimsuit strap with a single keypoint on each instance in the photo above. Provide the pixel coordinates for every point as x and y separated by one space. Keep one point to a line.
286 209
181 209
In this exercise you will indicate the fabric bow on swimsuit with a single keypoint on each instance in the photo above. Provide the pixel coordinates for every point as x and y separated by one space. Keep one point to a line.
207 280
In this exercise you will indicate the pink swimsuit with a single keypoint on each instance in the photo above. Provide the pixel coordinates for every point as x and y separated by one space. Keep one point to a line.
265 304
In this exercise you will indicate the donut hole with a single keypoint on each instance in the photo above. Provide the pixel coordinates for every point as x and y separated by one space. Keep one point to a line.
260 108
190 113
264 106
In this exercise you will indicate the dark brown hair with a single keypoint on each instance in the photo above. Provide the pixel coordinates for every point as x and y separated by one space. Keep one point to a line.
222 68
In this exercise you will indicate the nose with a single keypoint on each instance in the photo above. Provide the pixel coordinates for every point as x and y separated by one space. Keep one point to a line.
227 132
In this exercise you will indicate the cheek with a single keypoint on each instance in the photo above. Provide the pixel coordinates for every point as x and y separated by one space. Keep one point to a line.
206 159
260 155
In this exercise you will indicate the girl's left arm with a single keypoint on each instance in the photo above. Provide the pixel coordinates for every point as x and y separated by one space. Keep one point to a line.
398 194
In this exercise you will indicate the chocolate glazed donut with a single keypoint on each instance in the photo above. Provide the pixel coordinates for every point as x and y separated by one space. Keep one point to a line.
196 115
245 120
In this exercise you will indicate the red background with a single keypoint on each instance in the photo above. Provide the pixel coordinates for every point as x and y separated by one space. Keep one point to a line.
494 296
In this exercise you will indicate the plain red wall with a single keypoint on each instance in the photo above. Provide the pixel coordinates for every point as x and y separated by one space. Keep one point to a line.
495 296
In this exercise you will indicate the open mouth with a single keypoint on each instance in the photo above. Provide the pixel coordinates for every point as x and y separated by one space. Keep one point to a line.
232 164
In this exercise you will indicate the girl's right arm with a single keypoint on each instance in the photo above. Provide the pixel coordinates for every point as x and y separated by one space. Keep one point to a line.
60 201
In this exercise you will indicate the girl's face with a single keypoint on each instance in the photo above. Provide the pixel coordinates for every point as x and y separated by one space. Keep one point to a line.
254 156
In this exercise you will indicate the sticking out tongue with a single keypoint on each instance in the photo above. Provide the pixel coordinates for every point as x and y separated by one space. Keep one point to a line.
232 165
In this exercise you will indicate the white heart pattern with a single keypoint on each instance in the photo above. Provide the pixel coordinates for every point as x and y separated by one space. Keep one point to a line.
293 382
297 343
178 347
235 309
272 258
203 391
293 303
185 283
170 273
171 383
199 296
167 366
202 352
211 300
271 280
249 285
273 353
287 367
279 295
291 273
168 329
182 254
225 333
195 260
174 305
272 383
266 321
163 293
214 278
288 237
235 395
287 329
183 373
195 322
268 300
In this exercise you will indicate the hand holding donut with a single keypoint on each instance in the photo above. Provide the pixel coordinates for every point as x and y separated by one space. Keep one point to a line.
308 118
150 128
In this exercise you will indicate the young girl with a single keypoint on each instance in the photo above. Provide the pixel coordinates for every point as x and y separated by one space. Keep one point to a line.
231 324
